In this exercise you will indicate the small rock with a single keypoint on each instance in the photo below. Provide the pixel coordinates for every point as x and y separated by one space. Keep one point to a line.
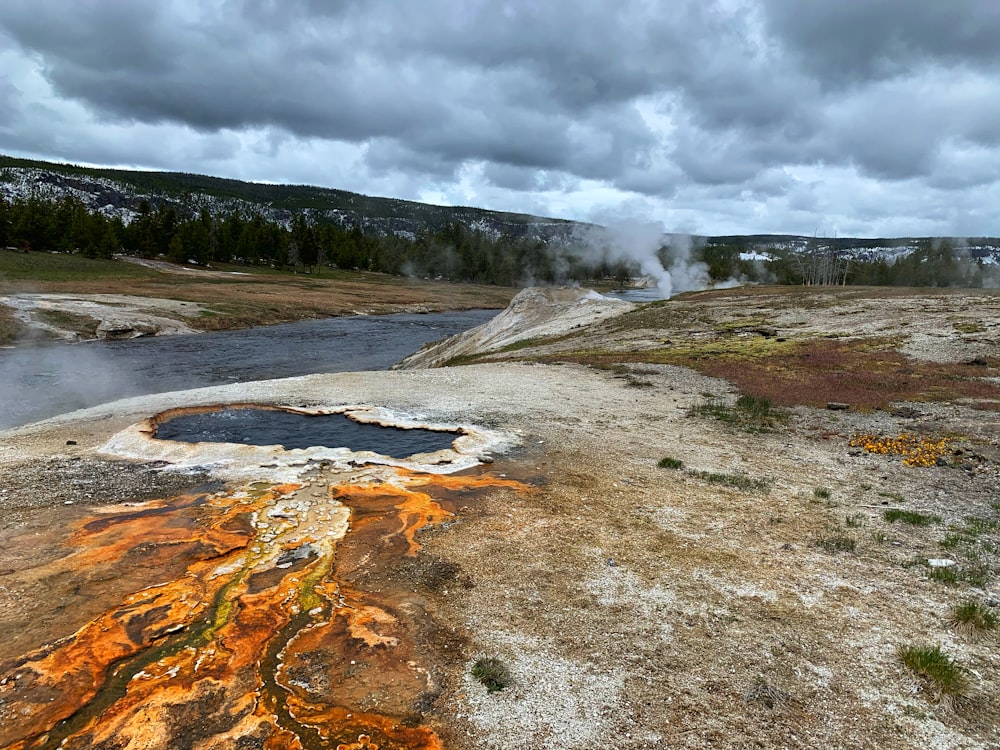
940 562
837 406
70 442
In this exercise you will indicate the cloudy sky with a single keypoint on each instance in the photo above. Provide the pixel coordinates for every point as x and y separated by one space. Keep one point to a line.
825 117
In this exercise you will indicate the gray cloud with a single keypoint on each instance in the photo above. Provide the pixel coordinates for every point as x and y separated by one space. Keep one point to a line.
862 40
577 106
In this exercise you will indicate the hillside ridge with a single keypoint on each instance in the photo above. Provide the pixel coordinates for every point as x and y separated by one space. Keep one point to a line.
120 192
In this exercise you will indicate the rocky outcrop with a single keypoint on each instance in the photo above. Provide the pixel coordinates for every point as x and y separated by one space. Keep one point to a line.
536 312
103 316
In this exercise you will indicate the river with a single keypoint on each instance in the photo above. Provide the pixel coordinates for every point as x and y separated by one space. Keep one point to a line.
42 381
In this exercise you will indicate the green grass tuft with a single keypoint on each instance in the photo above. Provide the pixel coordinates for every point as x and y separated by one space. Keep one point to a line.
492 673
837 543
670 463
972 616
911 517
855 521
749 413
737 481
949 574
941 674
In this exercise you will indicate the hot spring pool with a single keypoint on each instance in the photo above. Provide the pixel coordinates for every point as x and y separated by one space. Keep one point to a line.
260 426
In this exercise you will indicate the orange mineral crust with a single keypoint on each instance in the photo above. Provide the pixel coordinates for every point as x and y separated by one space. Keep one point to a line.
269 615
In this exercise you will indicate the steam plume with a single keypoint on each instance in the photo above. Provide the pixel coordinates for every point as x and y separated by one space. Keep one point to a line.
665 259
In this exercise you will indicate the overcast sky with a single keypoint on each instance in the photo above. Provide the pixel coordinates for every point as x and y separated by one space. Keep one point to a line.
818 117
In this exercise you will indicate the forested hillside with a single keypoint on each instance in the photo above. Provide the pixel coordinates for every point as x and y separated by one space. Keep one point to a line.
100 213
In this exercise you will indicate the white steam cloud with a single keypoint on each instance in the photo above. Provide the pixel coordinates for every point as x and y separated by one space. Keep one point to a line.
664 259
38 381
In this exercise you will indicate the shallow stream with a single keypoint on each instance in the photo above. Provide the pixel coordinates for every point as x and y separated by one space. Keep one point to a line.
42 381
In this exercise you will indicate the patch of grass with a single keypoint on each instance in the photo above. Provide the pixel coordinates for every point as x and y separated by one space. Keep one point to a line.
855 521
977 540
973 617
941 674
954 540
891 496
737 481
42 267
911 517
837 543
527 343
749 413
821 493
977 575
492 673
670 463
977 526
949 574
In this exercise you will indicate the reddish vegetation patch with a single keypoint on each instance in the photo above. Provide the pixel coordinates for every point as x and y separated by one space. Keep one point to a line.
865 374
819 372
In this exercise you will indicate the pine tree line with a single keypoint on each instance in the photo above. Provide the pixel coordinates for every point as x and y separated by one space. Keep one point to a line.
453 252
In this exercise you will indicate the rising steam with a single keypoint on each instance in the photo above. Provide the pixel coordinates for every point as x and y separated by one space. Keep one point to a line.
664 259
41 380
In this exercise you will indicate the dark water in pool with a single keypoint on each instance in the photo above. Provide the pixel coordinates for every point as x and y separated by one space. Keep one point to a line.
270 427
41 381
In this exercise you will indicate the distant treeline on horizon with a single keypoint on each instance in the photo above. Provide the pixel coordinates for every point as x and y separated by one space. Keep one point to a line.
454 252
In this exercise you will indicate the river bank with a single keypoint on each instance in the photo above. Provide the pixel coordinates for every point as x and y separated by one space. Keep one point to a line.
55 297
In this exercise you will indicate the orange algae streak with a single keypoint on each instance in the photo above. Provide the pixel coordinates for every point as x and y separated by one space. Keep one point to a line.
265 630
361 727
53 682
418 510
220 680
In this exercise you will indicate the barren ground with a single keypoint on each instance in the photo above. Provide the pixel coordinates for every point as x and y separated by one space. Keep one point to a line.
637 606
